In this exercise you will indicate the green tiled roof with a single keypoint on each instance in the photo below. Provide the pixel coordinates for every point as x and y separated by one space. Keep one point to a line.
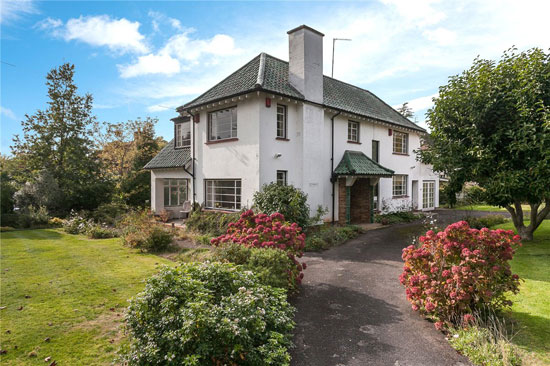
357 163
267 73
170 157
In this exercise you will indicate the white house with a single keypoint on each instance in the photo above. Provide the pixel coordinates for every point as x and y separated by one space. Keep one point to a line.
278 121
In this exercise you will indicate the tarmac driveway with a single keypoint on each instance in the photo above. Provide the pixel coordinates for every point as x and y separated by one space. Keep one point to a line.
352 309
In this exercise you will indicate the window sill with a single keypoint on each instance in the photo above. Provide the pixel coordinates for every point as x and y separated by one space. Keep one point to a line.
402 154
220 141
281 139
354 142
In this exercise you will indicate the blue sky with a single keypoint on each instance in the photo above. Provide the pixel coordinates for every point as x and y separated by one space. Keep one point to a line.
142 58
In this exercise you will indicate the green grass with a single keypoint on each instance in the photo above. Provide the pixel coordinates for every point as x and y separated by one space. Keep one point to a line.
531 307
78 291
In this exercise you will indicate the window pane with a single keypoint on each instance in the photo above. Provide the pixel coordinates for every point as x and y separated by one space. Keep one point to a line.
223 194
222 124
281 121
166 196
375 151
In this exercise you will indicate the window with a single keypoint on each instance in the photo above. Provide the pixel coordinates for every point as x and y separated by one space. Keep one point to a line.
399 188
428 194
281 121
183 134
281 177
353 131
400 142
175 192
222 124
223 194
376 151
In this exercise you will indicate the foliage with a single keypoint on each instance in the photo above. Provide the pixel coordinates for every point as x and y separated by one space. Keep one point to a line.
487 221
473 195
43 192
109 213
96 231
58 140
164 215
39 216
405 110
395 217
268 231
211 223
11 219
7 190
5 229
287 200
56 222
324 237
81 299
458 271
209 314
271 266
491 125
140 230
77 224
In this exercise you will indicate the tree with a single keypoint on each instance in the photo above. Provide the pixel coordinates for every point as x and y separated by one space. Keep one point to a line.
57 139
44 191
491 125
405 110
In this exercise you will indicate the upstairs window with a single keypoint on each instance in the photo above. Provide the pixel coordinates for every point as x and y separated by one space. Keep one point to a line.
282 177
400 142
222 124
183 134
353 131
281 121
376 151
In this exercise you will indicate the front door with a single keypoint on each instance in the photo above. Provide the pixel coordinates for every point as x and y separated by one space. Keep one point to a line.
428 195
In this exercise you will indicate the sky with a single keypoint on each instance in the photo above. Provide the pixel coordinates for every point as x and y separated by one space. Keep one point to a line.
144 58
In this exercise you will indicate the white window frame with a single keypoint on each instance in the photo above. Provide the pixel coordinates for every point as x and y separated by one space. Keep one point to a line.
181 188
220 194
228 128
353 131
282 177
400 143
182 134
428 194
282 121
400 185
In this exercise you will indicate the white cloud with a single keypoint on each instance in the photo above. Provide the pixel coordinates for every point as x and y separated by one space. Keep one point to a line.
119 35
7 112
158 19
421 103
150 64
440 36
12 10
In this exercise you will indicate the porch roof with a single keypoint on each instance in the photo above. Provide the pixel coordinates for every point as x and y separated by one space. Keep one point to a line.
356 163
170 157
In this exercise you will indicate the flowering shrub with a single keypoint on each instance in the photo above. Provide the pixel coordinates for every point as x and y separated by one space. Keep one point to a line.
268 231
139 230
208 314
458 270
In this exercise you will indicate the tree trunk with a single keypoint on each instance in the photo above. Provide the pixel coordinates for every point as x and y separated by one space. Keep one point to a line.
526 232
536 218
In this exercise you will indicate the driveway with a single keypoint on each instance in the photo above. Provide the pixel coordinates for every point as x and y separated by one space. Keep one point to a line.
352 309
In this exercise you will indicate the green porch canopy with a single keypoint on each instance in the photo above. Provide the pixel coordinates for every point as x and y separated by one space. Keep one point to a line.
355 163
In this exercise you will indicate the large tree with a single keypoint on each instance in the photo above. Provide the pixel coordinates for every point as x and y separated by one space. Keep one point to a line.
58 139
491 125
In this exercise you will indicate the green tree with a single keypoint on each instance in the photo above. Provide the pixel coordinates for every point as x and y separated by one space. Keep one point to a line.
491 125
405 110
58 139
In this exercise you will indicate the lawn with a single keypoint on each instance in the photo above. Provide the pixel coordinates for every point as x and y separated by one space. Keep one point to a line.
64 296
488 208
531 307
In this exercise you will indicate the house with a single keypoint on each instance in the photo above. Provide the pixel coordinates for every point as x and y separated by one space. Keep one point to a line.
285 122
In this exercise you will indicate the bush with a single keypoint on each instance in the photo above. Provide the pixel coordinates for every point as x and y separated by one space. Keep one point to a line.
210 222
56 222
271 266
100 232
4 229
109 213
263 231
140 230
39 216
485 221
11 219
395 217
208 314
458 271
473 195
329 236
77 224
287 200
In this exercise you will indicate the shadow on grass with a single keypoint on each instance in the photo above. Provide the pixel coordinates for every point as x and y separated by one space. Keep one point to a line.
533 332
34 234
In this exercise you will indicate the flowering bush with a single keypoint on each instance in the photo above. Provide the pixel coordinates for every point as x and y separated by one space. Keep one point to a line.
268 231
208 314
458 270
139 230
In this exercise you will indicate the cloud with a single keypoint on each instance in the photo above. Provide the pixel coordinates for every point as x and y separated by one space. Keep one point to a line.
159 18
421 103
12 10
440 36
7 112
150 64
119 35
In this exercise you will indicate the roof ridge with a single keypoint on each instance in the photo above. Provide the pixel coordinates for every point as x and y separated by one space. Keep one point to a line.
261 71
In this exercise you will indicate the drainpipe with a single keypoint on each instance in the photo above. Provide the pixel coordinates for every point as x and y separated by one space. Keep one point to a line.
192 157
332 177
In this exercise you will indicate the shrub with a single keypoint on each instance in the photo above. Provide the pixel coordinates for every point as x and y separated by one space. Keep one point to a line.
485 221
268 231
473 195
56 222
77 224
271 266
39 216
109 213
396 217
458 271
10 219
4 229
140 230
100 232
208 314
329 236
287 200
165 215
210 222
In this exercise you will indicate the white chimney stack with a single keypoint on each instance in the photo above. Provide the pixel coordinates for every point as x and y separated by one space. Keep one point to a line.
305 69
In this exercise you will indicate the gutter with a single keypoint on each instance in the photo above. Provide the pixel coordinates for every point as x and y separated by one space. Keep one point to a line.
332 176
192 174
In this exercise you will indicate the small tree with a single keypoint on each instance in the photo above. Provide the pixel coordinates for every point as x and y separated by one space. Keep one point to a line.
405 110
284 199
491 125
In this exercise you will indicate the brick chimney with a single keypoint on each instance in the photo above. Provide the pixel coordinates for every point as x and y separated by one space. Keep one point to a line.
305 71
